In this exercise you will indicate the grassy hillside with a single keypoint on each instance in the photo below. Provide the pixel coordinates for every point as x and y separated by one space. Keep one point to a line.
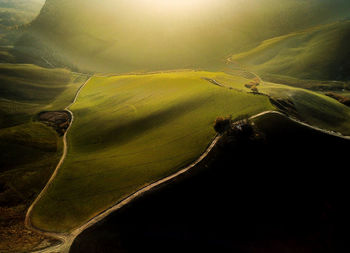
27 89
233 203
18 12
309 106
131 130
13 15
29 150
320 53
314 108
122 36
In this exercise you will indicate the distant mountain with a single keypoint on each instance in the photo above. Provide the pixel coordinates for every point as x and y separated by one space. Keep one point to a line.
18 12
13 15
136 35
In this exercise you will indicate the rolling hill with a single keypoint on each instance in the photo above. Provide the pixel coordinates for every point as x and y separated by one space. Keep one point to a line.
15 14
29 150
19 12
318 53
308 106
162 73
143 35
284 191
130 131
28 89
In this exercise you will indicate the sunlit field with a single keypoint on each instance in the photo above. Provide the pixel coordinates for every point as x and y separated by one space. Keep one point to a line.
132 130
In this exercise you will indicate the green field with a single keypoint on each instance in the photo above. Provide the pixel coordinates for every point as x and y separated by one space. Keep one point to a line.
162 72
319 53
18 12
29 89
132 130
25 91
29 150
143 35
312 107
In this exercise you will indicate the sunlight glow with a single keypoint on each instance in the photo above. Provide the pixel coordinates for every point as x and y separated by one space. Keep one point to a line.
177 5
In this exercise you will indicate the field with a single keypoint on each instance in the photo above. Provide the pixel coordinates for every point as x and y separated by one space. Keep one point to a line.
29 150
19 12
312 107
272 195
29 89
129 36
132 130
318 53
153 89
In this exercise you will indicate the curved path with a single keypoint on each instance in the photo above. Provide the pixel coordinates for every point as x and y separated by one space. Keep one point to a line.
335 134
68 238
27 221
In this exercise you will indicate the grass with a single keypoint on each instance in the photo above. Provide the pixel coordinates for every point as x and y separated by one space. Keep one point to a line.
314 108
132 130
129 36
19 12
25 91
29 153
29 150
29 89
320 53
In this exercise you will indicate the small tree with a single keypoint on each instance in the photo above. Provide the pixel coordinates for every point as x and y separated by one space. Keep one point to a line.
222 124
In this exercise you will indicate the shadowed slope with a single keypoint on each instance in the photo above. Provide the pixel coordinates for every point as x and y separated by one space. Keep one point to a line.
266 194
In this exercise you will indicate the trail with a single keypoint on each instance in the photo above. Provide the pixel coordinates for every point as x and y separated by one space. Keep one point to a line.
67 239
28 224
335 134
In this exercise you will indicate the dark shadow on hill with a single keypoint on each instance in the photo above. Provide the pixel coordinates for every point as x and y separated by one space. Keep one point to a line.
281 189
127 130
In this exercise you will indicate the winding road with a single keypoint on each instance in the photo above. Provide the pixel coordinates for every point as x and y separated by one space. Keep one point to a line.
67 239
28 224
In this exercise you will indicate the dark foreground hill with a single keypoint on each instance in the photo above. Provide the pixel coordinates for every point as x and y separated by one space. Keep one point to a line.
285 191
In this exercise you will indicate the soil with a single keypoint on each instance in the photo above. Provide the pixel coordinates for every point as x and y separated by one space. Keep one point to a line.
339 98
59 120
14 237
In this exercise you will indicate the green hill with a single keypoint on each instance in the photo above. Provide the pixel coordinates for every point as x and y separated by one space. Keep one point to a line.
29 150
308 106
132 130
269 197
14 14
18 12
27 89
143 35
320 53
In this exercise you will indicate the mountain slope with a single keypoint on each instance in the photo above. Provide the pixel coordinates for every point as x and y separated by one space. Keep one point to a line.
29 150
320 53
146 35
